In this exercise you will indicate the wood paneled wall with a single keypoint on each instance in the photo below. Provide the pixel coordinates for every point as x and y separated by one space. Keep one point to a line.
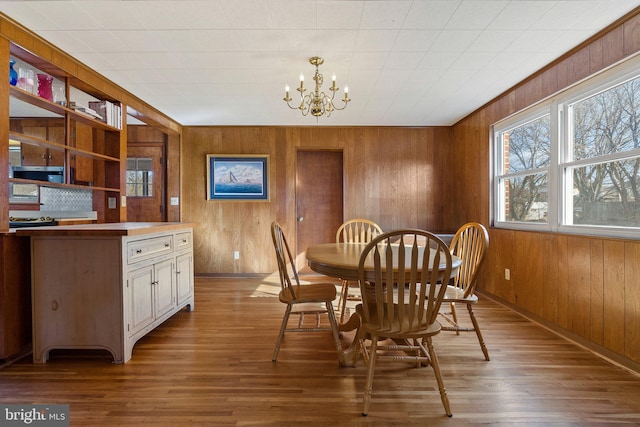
586 287
393 176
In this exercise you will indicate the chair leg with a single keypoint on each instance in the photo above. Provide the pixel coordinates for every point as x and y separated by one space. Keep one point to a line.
476 327
454 316
285 320
436 370
373 351
334 328
342 302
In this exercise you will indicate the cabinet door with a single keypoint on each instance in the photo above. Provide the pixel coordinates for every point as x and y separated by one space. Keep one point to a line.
140 292
41 156
164 287
184 276
55 157
33 155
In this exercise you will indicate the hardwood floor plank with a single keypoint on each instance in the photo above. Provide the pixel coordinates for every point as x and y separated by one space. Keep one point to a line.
213 366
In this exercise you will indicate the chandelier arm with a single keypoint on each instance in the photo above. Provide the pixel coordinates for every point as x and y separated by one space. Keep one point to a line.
343 106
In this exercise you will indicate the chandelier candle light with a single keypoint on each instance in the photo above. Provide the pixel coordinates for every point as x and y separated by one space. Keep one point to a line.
317 103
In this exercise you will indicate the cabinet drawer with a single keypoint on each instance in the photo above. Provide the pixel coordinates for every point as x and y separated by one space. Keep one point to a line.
143 249
183 240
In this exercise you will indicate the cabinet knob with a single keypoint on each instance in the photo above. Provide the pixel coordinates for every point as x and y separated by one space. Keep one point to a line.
139 251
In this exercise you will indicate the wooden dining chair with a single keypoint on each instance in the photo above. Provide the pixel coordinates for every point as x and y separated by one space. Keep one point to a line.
470 244
402 292
309 299
358 230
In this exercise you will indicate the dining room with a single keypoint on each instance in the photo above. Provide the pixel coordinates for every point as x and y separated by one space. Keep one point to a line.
559 307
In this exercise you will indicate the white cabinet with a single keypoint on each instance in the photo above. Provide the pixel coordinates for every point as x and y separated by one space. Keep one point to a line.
151 295
104 286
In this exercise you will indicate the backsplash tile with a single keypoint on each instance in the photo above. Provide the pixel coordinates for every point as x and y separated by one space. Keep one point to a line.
65 199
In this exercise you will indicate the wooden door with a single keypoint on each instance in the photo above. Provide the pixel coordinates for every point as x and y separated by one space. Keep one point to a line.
319 200
145 183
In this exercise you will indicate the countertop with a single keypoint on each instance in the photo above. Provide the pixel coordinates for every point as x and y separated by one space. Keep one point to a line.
105 229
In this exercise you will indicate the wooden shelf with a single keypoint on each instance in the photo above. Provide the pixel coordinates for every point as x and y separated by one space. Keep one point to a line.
31 140
52 107
62 185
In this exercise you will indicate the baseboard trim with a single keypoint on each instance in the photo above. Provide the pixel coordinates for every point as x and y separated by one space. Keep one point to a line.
598 350
233 275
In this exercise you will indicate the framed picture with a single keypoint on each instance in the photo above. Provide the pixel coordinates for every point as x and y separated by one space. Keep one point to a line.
237 177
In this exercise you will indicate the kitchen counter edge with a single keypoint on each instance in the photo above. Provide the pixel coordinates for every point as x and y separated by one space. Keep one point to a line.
105 229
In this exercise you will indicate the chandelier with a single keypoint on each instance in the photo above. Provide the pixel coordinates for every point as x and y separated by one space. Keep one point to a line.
317 103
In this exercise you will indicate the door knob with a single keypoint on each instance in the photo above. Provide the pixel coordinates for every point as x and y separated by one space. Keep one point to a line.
300 218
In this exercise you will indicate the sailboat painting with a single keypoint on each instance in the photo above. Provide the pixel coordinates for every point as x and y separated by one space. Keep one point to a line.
237 177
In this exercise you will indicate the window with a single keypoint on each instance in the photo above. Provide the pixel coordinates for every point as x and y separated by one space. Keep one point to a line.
523 174
572 163
139 177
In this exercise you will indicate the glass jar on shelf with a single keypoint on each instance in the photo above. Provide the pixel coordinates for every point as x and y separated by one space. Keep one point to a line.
25 79
45 86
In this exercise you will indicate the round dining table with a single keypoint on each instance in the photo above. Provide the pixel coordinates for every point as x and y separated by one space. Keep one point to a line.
341 260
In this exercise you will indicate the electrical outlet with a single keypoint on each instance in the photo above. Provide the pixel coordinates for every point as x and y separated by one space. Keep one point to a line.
507 274
236 254
112 202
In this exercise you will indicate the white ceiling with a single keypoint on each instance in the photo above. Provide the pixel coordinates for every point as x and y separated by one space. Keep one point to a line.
226 62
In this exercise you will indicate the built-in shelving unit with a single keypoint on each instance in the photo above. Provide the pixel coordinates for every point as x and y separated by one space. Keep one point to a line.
49 133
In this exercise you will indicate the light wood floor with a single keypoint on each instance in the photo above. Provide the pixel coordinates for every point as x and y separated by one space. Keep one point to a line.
212 367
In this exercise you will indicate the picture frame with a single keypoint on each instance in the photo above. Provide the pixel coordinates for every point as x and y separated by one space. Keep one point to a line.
238 177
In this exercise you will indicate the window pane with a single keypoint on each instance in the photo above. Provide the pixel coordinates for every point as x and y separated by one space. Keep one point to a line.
145 164
607 123
527 146
526 198
139 177
607 194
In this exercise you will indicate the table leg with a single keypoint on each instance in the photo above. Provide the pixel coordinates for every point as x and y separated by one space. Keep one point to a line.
348 356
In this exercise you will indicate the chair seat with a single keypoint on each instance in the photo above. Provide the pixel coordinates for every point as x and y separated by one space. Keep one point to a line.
315 292
455 294
396 330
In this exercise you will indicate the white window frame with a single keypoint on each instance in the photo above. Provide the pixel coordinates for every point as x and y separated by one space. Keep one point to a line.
498 196
560 186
